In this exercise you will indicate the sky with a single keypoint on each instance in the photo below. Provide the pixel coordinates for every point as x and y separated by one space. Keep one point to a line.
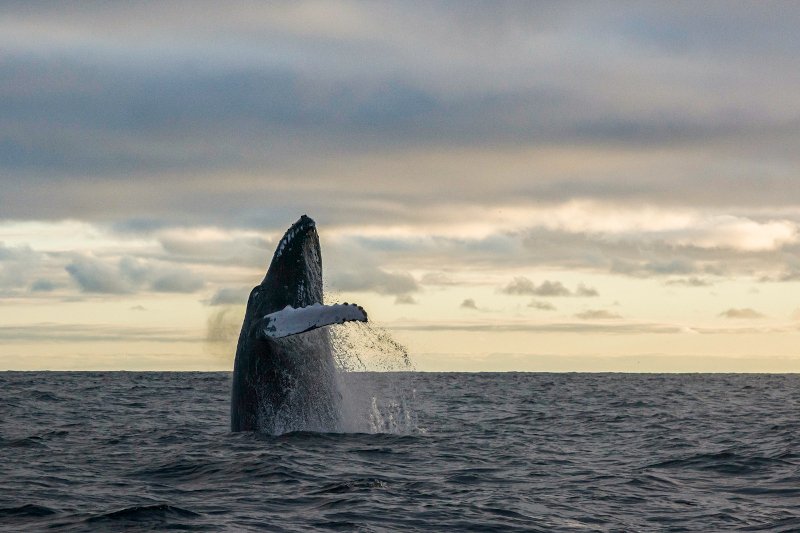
531 186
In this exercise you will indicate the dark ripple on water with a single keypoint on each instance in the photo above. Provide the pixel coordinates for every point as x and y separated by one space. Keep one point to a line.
511 452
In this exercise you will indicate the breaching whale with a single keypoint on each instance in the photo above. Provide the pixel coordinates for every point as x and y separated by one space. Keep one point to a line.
284 375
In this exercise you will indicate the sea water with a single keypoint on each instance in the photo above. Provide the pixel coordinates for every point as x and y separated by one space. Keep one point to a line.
111 451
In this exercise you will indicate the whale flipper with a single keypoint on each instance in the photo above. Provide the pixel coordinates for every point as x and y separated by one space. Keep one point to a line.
291 321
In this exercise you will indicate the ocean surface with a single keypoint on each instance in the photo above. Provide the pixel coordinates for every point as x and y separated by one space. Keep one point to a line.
116 451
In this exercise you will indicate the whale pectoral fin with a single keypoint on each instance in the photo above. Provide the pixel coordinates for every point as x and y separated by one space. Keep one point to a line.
291 321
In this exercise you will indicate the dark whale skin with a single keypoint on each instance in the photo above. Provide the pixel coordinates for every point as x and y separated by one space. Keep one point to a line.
288 383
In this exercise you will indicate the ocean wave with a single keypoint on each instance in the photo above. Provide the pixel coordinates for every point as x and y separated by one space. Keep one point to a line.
137 512
522 452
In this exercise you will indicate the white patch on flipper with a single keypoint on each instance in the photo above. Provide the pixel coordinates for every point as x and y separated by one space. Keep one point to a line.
291 321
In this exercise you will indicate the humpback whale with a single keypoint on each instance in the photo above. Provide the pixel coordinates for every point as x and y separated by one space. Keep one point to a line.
284 376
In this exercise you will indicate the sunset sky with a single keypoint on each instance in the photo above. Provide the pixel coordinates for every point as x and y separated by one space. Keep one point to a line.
502 185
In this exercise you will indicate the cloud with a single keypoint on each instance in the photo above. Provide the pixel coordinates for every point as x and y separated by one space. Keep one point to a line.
159 278
551 288
520 285
728 231
137 308
434 100
130 275
372 279
93 333
170 140
619 328
469 303
692 281
586 292
43 285
438 279
523 286
641 142
134 270
745 313
684 227
230 296
216 246
181 281
18 264
544 306
597 314
94 276
659 267
404 299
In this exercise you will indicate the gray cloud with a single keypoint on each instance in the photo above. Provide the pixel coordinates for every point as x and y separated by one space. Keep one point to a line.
692 281
230 296
247 115
659 267
177 281
95 276
523 286
556 249
92 333
351 263
586 292
746 313
17 266
43 285
544 306
437 279
613 327
548 288
134 270
520 285
160 278
597 314
566 327
130 275
252 251
469 303
372 279
405 299
176 102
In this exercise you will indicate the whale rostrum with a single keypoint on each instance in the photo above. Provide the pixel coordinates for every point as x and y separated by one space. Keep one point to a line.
284 372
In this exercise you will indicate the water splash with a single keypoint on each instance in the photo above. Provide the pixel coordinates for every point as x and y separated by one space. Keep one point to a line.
346 378
370 364
365 347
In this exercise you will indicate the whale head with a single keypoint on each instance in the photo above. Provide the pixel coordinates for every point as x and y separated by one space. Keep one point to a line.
295 274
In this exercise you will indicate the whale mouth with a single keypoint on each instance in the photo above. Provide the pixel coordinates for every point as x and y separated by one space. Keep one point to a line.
301 227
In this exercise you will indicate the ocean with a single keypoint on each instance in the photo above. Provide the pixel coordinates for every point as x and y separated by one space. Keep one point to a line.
130 451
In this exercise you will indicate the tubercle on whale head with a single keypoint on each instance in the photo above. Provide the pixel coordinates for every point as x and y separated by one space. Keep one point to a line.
299 228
